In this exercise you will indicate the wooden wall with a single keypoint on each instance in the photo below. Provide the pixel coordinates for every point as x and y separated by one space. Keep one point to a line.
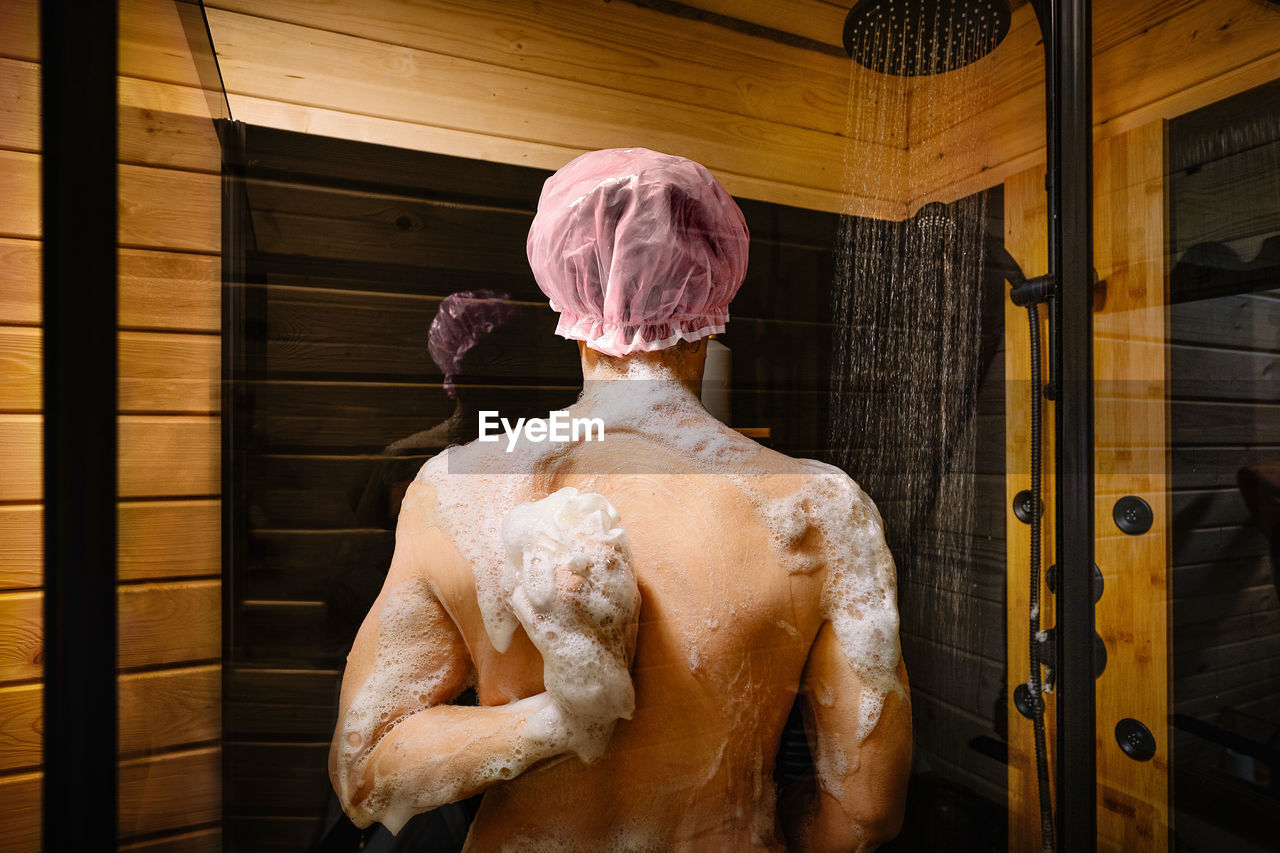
1152 59
1225 415
169 545
536 84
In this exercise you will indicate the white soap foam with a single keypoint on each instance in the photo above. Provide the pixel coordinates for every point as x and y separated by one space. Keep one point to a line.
570 582
825 523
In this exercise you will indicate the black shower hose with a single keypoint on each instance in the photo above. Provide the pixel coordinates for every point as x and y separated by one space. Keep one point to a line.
1033 682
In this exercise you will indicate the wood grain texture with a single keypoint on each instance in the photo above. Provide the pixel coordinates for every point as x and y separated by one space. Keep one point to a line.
20 29
197 841
1130 234
19 281
158 710
812 19
286 63
20 817
20 369
21 444
164 456
160 623
20 189
1026 224
171 291
1152 60
166 125
619 45
153 43
21 546
168 209
168 372
171 791
163 539
19 105
159 208
160 456
157 540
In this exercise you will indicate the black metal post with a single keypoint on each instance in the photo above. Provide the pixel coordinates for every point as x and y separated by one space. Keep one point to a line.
78 133
1072 127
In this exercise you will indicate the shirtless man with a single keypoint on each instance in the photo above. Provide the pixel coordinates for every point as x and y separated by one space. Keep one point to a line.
636 614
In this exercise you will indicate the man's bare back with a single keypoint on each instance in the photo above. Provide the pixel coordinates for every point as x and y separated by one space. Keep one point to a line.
731 546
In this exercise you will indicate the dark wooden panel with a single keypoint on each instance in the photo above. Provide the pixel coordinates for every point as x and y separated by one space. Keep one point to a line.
1217 422
1208 508
966 681
275 705
1217 544
1208 373
306 564
1215 577
297 219
1211 467
275 780
929 713
1231 603
1249 320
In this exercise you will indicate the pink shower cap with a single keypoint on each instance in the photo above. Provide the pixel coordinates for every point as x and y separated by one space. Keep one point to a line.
637 250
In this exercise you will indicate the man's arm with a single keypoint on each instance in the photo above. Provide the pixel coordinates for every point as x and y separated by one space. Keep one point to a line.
398 748
856 801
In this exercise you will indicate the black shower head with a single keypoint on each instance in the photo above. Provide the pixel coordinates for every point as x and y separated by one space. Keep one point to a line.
935 221
912 38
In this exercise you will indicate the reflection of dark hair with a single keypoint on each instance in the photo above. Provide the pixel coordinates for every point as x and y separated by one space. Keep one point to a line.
464 319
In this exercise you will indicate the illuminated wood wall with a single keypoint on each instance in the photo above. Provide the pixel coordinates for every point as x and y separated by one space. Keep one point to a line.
169 539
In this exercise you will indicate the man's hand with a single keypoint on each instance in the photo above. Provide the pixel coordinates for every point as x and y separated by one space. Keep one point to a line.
573 589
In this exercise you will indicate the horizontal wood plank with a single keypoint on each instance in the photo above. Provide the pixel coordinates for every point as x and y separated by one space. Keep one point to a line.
20 369
278 705
1166 66
160 539
158 372
811 19
303 66
169 209
21 546
170 456
19 281
171 791
19 105
167 372
170 291
158 710
167 125
160 456
20 29
157 540
622 46
160 623
21 454
20 189
198 841
20 819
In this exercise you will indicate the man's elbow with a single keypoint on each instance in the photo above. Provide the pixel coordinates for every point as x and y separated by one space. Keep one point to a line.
878 829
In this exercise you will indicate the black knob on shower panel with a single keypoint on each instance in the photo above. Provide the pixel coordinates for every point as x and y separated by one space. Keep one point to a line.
1023 702
1051 580
1022 504
1135 739
1133 515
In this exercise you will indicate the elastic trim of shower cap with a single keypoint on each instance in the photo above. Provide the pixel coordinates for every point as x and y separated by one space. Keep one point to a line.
618 339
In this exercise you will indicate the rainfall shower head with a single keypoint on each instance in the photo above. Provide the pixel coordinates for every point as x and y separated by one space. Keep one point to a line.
913 38
935 221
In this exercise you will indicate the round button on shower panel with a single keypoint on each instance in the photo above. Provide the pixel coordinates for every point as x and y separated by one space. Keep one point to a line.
1135 739
1133 515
